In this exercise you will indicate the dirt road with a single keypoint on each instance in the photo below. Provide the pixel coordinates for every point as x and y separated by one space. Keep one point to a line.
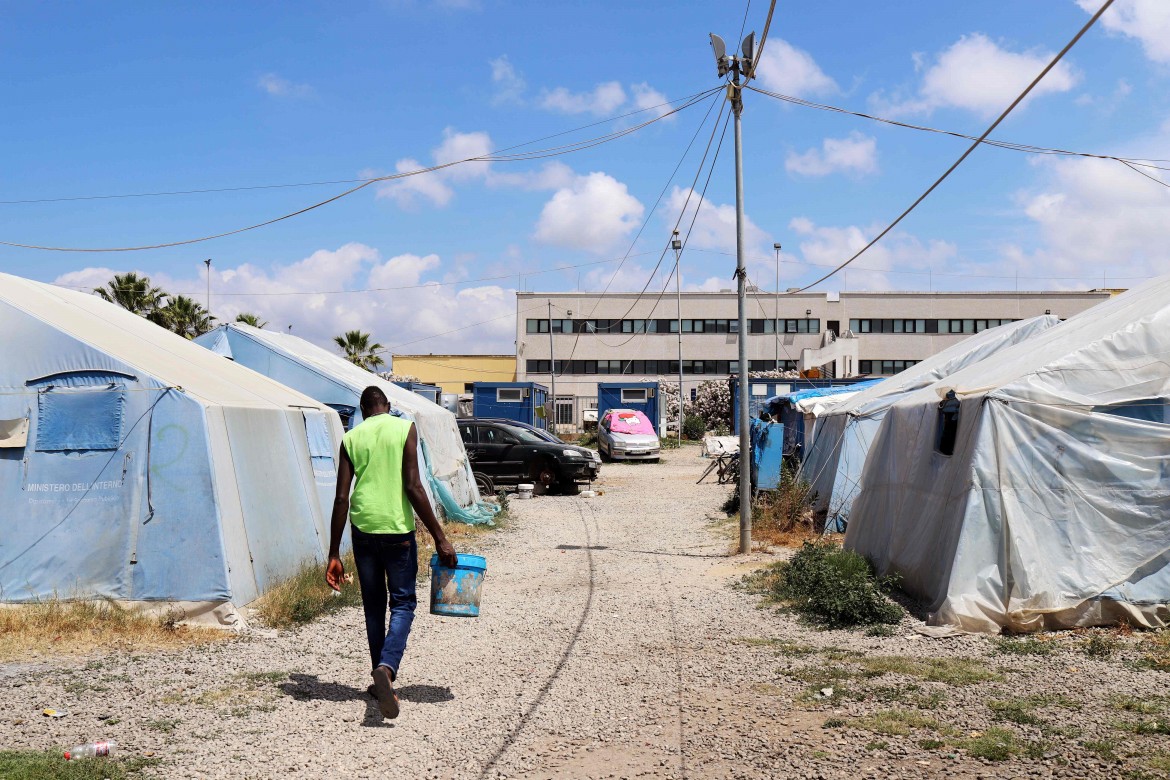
611 644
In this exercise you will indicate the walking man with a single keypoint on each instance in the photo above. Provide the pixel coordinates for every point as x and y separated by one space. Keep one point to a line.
381 453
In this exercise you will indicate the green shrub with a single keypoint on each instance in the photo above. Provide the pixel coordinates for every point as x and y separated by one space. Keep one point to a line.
836 588
730 504
694 427
503 500
587 439
669 442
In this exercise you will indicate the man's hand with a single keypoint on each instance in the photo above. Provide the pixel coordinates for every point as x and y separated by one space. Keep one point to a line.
447 555
334 572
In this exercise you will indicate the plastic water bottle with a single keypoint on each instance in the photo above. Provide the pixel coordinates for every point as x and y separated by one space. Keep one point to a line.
91 750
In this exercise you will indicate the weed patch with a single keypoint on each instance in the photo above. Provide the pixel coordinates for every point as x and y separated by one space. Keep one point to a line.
784 516
1101 646
1156 651
1102 748
834 588
51 765
1152 705
997 744
894 723
55 626
953 671
304 597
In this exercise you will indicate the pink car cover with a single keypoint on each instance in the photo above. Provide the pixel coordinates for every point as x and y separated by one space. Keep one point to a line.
630 422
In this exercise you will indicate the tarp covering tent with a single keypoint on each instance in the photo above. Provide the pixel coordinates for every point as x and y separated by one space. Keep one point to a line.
790 409
841 438
138 467
1038 496
334 381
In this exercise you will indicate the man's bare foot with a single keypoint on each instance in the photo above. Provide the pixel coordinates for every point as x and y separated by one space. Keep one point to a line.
384 690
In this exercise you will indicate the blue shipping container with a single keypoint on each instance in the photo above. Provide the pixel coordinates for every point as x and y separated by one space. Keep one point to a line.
520 401
432 393
639 396
763 389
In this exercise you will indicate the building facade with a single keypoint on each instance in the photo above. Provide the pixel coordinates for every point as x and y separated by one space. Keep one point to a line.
456 373
621 337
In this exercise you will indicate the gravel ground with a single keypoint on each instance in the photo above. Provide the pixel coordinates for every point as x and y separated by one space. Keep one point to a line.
611 644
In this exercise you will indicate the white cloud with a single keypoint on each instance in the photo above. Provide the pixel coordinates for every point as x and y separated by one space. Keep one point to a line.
391 316
1095 216
785 68
604 99
715 225
646 97
855 154
594 213
509 84
825 247
976 74
1146 20
435 186
282 87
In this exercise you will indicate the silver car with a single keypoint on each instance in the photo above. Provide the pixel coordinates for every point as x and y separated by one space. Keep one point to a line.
616 445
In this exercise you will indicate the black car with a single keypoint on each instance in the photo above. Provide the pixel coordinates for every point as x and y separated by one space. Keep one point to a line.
506 454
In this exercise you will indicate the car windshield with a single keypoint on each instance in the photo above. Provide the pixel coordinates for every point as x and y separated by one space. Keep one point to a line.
524 435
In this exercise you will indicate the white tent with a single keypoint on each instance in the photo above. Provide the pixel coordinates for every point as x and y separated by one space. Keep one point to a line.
139 467
334 381
842 435
1039 497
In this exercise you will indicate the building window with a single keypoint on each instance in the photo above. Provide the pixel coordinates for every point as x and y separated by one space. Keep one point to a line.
509 395
884 367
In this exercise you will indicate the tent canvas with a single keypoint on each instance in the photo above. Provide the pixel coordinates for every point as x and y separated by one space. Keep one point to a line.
138 467
790 409
334 381
1040 497
842 435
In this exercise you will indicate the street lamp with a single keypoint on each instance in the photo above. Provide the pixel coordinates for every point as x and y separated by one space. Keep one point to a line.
207 263
676 245
776 322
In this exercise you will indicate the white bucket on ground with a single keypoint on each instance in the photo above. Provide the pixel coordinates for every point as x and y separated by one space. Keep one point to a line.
524 490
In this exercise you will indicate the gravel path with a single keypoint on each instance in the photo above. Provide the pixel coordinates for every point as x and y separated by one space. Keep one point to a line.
611 645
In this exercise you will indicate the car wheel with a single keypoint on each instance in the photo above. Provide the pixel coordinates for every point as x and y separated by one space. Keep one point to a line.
604 455
484 483
544 476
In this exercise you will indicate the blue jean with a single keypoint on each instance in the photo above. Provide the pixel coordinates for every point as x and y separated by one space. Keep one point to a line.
387 565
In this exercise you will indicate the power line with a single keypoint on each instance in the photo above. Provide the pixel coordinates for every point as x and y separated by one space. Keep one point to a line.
66 199
1011 145
1059 56
421 285
491 157
646 221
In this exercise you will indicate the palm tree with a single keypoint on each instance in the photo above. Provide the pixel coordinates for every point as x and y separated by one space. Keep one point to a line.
134 293
250 319
358 349
186 317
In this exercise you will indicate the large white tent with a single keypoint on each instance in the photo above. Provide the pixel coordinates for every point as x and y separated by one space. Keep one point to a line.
1038 494
843 433
139 467
334 381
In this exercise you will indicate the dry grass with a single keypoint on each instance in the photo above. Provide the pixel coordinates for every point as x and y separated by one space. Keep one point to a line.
57 627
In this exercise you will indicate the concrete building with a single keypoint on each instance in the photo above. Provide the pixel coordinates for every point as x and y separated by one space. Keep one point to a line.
456 373
621 337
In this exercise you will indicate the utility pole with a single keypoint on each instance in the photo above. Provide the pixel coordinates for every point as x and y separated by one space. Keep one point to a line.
676 245
552 370
776 324
740 66
207 263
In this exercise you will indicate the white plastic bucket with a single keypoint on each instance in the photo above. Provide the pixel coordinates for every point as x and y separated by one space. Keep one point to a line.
524 490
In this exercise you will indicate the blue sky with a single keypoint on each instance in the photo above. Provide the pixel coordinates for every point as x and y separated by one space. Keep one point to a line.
138 98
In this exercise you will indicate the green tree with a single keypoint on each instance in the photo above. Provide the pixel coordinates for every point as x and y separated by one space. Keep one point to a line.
186 317
136 294
250 319
358 349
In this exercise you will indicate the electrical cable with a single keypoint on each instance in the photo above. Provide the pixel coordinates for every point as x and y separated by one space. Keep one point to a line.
1018 147
491 157
421 285
334 181
646 221
978 142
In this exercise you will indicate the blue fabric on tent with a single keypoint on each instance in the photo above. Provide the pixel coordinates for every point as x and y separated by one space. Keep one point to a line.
77 420
482 513
818 392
